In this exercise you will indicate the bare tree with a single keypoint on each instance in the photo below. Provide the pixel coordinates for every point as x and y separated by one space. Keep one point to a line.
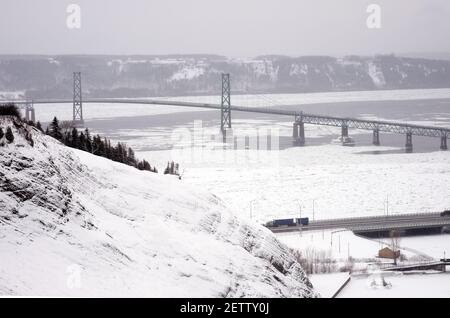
395 244
66 127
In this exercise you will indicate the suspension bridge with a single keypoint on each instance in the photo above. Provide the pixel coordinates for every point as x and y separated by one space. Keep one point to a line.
226 108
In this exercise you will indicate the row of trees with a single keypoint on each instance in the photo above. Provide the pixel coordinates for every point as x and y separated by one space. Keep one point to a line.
82 140
69 135
9 109
172 168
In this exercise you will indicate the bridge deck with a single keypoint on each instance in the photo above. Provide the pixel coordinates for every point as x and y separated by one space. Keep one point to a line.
372 223
416 266
385 126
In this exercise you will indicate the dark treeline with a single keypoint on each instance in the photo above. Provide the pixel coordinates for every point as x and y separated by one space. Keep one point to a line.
9 110
172 168
82 140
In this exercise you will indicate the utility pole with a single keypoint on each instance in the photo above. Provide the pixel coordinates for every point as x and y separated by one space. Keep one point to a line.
387 205
348 250
313 206
251 209
300 210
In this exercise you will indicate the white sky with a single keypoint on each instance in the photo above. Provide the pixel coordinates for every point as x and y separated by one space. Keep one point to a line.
231 27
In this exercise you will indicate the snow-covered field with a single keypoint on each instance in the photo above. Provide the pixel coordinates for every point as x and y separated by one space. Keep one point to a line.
401 285
328 284
73 224
342 244
341 181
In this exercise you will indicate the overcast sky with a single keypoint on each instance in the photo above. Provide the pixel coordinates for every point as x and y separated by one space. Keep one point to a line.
226 27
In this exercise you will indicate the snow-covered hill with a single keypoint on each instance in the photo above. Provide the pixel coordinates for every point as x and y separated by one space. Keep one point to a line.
75 224
181 75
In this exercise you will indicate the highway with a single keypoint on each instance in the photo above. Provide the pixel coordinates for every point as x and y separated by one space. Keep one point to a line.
373 223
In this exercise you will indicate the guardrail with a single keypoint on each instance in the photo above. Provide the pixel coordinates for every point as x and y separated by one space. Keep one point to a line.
360 218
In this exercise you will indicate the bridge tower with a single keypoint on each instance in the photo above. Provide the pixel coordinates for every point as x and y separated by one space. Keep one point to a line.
225 105
409 145
77 101
444 141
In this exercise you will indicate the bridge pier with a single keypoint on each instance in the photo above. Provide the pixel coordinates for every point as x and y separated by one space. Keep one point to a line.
295 131
298 133
29 112
344 131
409 145
444 142
301 136
376 137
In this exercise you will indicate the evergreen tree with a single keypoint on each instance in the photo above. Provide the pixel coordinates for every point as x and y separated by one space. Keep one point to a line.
82 142
167 170
39 126
74 142
131 159
101 147
96 145
9 110
9 135
108 150
88 140
55 130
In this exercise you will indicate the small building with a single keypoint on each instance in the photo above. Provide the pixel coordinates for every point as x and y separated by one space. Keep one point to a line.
388 253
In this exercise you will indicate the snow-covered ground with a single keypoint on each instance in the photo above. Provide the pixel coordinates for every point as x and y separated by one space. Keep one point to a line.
328 284
338 181
433 246
341 181
73 224
342 244
401 285
339 243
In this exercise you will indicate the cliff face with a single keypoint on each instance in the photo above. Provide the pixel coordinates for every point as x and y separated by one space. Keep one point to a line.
73 224
139 76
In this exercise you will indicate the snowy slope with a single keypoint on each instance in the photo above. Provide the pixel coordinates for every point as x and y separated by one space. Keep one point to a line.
144 76
75 224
